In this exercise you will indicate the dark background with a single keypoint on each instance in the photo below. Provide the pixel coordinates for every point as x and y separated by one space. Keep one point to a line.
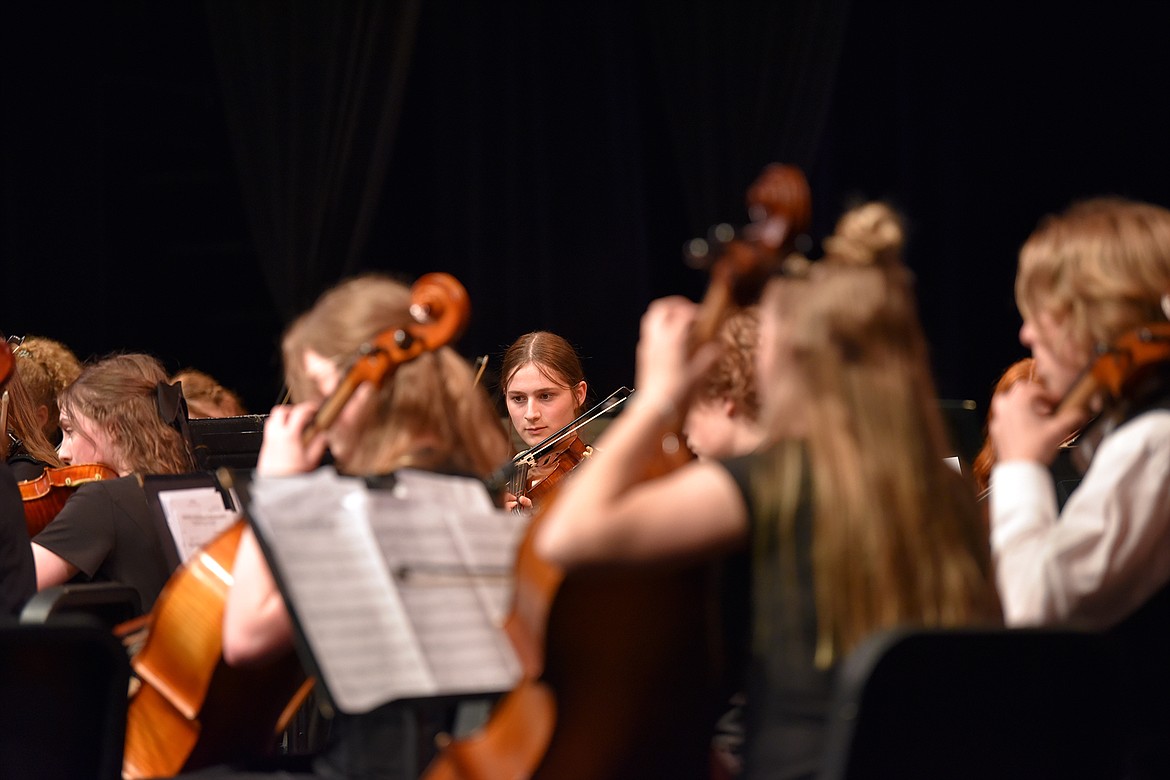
181 178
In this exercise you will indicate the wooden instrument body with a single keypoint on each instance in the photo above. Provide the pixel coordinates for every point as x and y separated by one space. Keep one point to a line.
45 496
192 709
623 667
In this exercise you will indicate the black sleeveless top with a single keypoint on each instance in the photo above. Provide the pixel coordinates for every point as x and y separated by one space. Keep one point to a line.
787 697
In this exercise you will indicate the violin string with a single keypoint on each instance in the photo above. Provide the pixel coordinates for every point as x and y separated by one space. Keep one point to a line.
531 454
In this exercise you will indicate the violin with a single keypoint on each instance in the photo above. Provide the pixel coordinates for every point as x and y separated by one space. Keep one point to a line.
536 471
7 363
621 669
1119 369
1120 375
45 496
192 709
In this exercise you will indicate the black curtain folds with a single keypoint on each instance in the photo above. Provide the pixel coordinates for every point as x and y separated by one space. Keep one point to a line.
553 157
742 84
313 94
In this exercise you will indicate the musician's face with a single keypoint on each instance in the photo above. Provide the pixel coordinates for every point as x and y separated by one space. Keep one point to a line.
540 405
1059 357
345 433
82 441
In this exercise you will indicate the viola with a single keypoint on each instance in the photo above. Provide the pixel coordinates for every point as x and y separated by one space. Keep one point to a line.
45 496
192 709
539 481
621 670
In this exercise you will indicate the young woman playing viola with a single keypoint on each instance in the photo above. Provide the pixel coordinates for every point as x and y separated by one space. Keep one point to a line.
430 414
110 415
544 390
850 517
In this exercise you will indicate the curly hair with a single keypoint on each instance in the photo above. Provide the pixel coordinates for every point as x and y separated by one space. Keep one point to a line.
46 366
734 374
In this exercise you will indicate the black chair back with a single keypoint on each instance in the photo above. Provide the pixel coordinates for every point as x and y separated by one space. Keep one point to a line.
63 700
994 703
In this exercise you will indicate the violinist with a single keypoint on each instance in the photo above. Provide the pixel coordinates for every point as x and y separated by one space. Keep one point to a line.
112 416
544 390
46 366
429 414
1085 278
18 579
855 441
28 450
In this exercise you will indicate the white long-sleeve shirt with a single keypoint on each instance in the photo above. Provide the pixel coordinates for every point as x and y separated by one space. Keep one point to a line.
1109 549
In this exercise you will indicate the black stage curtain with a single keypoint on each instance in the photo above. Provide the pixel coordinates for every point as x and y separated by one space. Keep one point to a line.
313 94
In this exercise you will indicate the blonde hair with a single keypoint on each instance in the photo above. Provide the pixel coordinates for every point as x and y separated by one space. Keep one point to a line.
206 397
433 398
46 367
23 425
733 375
896 533
1104 263
119 394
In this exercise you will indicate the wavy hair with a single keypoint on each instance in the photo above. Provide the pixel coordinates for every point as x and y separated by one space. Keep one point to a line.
119 394
1103 262
46 366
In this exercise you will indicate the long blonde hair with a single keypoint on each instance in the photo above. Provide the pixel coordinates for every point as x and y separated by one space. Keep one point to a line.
432 399
896 532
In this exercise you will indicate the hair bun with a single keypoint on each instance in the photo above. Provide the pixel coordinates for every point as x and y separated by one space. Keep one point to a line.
870 234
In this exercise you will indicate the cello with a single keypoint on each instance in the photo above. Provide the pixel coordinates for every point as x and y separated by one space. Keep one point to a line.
621 670
192 709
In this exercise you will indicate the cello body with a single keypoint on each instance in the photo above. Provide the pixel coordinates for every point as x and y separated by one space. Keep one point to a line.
191 709
624 667
621 678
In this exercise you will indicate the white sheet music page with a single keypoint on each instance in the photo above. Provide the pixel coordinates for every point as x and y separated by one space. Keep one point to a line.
195 516
400 593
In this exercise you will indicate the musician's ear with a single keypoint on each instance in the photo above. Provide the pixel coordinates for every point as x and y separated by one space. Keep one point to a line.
579 391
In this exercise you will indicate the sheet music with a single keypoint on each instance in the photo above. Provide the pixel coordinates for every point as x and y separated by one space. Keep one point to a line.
195 516
399 593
